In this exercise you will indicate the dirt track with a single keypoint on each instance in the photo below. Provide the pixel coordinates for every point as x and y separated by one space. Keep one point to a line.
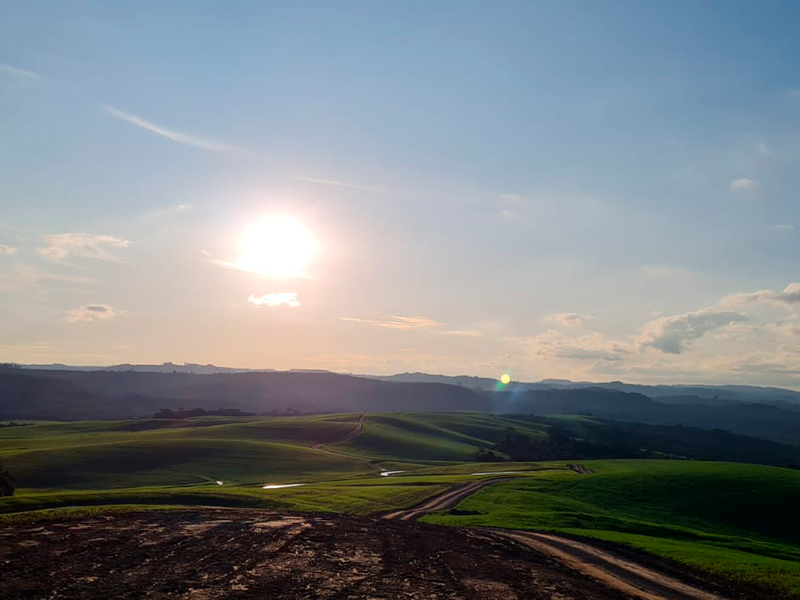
356 430
615 571
443 501
619 573
209 554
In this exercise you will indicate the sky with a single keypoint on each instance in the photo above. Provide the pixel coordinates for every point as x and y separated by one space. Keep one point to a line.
582 190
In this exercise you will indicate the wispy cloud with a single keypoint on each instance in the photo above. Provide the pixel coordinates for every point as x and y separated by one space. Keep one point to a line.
554 344
473 333
62 245
17 72
170 210
92 312
511 198
570 319
175 136
789 296
275 299
27 279
743 185
7 250
784 227
337 183
398 322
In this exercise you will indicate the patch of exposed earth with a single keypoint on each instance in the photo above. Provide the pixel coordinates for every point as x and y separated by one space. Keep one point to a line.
211 553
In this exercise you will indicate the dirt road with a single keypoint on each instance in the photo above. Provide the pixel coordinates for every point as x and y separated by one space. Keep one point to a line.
443 501
613 570
356 430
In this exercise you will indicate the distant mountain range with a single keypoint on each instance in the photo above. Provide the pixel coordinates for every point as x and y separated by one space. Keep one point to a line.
671 394
121 392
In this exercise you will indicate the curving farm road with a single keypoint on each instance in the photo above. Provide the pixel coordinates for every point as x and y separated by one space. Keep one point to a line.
356 430
443 501
631 578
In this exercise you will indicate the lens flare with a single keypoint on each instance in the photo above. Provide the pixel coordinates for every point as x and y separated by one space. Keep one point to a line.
505 378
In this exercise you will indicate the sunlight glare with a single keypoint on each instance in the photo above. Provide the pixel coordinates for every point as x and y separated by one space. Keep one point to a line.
277 246
505 378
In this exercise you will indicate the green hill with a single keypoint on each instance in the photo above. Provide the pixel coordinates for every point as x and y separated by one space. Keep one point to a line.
123 454
433 436
733 520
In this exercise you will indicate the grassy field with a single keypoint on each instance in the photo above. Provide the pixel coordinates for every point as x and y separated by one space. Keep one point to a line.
729 519
95 455
433 437
125 454
733 520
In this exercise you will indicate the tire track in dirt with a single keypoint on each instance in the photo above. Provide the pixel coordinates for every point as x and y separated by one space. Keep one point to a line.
616 572
443 501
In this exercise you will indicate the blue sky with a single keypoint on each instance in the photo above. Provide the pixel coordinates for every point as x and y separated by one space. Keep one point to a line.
556 189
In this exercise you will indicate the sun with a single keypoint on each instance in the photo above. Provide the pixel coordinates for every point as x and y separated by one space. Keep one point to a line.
277 246
505 378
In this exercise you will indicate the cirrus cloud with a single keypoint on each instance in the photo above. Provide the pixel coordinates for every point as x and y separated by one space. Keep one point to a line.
61 245
175 136
7 250
398 322
17 72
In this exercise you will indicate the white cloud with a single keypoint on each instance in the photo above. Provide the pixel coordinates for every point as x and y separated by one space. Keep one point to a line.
508 214
672 334
785 227
474 333
61 245
16 72
743 185
398 322
8 250
275 299
512 198
175 136
789 296
92 312
557 344
570 319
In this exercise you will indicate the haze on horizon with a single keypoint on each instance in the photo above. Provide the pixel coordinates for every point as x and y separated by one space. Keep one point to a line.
550 190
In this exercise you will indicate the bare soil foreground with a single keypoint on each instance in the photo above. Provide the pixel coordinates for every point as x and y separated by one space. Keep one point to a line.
216 553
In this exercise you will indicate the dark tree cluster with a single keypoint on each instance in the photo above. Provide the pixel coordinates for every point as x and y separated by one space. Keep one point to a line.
7 482
558 445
